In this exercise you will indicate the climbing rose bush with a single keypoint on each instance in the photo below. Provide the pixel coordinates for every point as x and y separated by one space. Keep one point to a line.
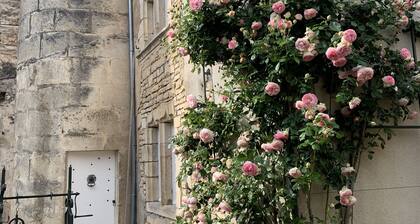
309 85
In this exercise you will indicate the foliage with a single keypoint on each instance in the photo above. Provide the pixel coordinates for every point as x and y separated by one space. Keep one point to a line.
246 160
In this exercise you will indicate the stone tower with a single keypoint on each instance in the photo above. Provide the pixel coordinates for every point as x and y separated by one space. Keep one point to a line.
72 94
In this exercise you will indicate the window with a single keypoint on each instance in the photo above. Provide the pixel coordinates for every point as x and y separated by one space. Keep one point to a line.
166 172
156 17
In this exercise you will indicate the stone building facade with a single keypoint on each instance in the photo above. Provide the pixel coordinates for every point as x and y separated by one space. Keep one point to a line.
70 96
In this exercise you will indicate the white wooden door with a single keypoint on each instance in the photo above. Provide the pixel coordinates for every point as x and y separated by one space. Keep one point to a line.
94 178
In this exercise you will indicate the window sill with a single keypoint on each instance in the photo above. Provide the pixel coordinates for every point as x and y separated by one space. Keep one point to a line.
167 211
158 37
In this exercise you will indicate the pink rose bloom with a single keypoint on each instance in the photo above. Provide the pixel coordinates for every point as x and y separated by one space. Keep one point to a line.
299 105
343 50
340 62
277 145
272 89
345 111
196 5
405 54
302 44
332 53
388 81
267 147
232 44
289 24
310 100
355 102
345 192
298 17
170 34
191 201
206 135
404 21
201 217
348 201
411 65
403 102
364 74
281 135
308 56
256 25
321 107
278 7
412 115
192 101
198 166
295 172
310 13
182 51
224 207
224 98
219 176
250 169
349 35
347 170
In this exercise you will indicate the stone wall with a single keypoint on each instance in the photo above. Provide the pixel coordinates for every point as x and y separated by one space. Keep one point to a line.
72 95
9 21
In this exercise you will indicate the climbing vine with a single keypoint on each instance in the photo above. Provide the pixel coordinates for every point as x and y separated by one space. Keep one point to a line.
310 85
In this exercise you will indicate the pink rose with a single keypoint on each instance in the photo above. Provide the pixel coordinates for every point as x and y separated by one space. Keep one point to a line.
308 56
343 50
310 100
219 176
267 147
281 135
310 13
354 102
340 62
170 34
201 217
404 21
345 192
403 102
278 7
332 54
412 115
298 17
349 35
182 51
347 170
277 145
206 135
348 201
191 201
302 44
411 65
232 44
364 74
192 101
388 81
256 25
196 5
295 172
321 107
405 54
299 105
272 89
198 166
250 169
224 207
224 98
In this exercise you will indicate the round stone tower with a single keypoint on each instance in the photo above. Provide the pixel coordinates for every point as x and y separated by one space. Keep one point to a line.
72 95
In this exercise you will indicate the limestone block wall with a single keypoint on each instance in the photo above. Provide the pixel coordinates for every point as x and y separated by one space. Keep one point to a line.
72 94
9 21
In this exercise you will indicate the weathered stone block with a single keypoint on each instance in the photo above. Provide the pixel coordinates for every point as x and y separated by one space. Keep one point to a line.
73 20
29 48
49 4
8 35
54 44
152 189
42 21
99 5
28 6
9 12
25 26
109 23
